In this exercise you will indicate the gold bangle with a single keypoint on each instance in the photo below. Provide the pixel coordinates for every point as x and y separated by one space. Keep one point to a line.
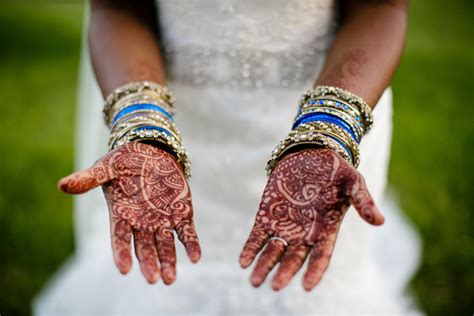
308 138
134 87
121 106
334 103
178 150
345 139
148 116
343 95
341 114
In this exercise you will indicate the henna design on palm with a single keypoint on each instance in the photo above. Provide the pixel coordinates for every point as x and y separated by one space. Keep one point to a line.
148 197
304 203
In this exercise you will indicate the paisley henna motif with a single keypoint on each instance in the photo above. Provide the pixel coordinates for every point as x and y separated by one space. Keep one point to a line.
304 203
148 197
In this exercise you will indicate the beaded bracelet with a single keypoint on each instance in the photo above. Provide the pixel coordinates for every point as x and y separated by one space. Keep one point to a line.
333 103
308 138
155 135
333 130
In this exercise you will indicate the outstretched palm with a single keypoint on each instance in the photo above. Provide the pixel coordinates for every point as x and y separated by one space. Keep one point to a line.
148 197
303 205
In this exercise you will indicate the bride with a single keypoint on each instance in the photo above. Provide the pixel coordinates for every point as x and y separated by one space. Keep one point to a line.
237 70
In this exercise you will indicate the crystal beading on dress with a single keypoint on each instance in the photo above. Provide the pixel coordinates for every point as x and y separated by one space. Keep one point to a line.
243 45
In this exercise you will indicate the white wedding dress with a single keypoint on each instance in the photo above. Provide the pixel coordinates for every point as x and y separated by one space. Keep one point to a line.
237 69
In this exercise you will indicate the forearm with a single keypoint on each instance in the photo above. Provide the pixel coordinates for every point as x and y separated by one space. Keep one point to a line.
367 49
123 43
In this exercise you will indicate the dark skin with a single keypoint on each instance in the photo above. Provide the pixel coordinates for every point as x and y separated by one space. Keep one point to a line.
305 210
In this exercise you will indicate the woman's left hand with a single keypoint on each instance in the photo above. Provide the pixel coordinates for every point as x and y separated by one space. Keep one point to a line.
300 213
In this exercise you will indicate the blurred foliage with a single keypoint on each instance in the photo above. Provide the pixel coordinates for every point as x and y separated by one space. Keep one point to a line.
39 58
431 164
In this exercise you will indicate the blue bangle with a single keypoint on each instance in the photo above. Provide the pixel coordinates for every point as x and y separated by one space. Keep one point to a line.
141 106
328 118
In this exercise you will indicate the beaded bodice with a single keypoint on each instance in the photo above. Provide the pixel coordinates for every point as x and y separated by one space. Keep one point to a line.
246 43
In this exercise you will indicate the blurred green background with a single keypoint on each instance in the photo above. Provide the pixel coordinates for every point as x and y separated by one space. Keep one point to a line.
431 168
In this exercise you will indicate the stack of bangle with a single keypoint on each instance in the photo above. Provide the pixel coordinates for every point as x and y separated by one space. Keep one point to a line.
328 117
144 111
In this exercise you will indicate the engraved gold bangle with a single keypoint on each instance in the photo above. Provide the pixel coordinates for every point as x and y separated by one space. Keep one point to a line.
180 153
348 141
308 138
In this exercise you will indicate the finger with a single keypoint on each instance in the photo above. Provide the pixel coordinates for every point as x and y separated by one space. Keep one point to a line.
364 203
188 236
145 249
85 180
318 261
121 234
269 257
290 264
167 254
255 242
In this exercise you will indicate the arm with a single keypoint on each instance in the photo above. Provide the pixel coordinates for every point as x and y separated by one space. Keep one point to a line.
368 47
146 191
123 43
311 189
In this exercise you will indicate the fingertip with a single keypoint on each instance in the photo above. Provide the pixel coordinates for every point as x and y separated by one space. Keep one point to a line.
124 268
153 277
373 216
277 285
63 184
169 276
308 286
380 220
256 281
245 261
194 255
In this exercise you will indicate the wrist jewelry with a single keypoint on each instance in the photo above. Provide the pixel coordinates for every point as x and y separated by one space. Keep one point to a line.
134 87
327 117
144 111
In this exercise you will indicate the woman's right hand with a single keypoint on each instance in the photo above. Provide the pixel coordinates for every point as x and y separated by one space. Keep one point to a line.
148 197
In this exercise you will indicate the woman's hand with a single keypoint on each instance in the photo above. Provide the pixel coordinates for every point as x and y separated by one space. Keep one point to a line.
148 197
303 205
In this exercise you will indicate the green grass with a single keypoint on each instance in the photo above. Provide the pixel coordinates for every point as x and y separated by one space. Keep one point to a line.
431 165
38 70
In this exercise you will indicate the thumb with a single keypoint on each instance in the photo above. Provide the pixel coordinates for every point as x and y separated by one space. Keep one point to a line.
87 179
364 203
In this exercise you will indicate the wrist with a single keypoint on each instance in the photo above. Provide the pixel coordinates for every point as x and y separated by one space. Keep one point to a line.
328 117
143 112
